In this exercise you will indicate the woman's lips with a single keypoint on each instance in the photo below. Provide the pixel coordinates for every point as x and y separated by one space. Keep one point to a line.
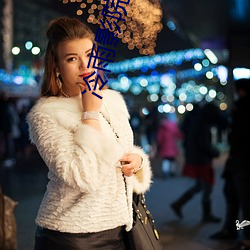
85 75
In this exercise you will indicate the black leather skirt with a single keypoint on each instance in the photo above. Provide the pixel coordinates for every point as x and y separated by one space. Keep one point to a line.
107 240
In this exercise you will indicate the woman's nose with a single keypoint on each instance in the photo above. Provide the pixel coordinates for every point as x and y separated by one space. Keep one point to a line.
83 63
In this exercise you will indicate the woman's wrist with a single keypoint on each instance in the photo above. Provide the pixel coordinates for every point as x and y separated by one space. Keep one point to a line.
140 167
91 118
90 115
141 164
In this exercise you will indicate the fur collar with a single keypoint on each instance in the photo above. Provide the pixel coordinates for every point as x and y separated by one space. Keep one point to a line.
68 111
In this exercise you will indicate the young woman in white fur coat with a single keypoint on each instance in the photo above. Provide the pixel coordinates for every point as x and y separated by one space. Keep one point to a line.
87 144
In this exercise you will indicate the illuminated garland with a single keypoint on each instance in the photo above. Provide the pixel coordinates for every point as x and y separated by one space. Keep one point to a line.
167 59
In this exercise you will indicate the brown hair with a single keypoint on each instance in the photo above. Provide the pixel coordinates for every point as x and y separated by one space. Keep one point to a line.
60 30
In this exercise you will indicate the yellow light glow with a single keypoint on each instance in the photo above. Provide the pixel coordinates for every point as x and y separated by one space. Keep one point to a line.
140 28
83 5
79 12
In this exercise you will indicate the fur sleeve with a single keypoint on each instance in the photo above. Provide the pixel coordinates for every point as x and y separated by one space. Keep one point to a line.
78 157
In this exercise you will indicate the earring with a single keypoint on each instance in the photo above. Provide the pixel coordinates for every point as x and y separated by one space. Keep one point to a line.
58 81
59 84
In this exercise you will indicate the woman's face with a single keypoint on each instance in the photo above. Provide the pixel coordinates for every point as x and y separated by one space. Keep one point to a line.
73 58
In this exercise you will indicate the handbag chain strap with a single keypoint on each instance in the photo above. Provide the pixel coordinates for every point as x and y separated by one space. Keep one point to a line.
138 198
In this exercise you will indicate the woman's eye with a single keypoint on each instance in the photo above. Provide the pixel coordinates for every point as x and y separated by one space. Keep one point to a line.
71 59
89 54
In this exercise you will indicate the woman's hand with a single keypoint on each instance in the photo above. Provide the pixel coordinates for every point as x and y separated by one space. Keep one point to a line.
90 102
131 163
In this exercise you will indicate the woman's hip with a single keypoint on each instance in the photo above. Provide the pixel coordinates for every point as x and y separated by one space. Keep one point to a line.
46 239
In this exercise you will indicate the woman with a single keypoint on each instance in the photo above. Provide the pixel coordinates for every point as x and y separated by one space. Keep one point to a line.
87 144
168 136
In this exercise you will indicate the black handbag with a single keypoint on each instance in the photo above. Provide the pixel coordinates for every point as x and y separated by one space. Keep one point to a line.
143 235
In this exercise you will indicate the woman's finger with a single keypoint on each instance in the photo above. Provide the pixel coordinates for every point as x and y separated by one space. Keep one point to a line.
82 87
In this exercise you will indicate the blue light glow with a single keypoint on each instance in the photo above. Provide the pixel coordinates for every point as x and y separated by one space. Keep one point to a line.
28 45
239 73
145 62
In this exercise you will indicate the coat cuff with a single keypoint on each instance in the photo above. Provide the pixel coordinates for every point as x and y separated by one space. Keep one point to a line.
104 147
142 180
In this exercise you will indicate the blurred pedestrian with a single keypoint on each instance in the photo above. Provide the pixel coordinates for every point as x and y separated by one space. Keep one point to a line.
199 153
237 169
11 131
168 136
24 129
151 123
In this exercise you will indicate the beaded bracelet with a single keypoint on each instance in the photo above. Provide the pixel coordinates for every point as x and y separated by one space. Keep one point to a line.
93 115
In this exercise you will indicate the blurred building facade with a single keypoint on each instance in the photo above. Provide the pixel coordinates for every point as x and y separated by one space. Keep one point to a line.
30 20
23 25
161 79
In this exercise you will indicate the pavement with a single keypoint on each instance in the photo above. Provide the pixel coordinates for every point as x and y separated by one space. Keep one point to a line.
26 183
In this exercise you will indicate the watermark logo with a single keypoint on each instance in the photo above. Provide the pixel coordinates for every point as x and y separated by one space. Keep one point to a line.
241 225
103 56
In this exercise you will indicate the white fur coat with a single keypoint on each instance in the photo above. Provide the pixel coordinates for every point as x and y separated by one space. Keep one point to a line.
86 190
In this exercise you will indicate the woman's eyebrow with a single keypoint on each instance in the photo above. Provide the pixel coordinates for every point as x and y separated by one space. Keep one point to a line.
88 50
75 54
71 54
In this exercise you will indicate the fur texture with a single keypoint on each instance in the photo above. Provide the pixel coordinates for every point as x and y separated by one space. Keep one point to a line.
86 191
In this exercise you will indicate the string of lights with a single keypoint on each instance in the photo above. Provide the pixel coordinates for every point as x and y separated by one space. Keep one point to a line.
163 59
